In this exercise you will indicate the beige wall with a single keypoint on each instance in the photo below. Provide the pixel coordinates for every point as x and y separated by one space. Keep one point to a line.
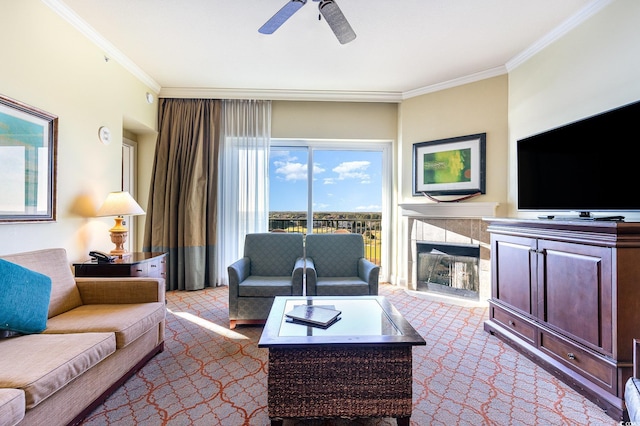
594 68
46 63
479 107
334 120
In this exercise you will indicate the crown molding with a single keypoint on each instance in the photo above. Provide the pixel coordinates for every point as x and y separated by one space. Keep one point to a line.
585 13
324 95
110 51
472 78
280 94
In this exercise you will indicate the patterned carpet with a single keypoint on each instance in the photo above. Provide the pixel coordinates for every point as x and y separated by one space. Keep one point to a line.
210 375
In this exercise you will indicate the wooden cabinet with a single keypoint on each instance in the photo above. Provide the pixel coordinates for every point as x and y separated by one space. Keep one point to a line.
141 264
513 271
574 292
567 294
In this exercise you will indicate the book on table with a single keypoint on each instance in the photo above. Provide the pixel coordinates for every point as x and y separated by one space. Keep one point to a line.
322 316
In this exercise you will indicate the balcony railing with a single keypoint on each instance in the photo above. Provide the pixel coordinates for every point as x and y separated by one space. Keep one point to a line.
369 228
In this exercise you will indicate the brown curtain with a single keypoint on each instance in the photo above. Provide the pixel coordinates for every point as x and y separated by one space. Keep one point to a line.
182 211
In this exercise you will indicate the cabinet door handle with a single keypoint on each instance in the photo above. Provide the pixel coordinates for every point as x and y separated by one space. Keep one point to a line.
153 265
571 356
512 324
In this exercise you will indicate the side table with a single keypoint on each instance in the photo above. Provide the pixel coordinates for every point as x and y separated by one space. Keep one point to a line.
138 264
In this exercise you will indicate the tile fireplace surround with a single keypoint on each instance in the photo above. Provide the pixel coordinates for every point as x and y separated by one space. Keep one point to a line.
443 224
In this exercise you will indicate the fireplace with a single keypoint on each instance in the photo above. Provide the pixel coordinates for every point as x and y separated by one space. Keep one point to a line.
448 268
458 233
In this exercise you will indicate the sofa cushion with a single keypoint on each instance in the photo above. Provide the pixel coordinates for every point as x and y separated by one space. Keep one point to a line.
24 298
12 406
127 321
336 286
54 264
41 364
256 286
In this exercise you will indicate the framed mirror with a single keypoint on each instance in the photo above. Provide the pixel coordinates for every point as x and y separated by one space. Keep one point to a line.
28 146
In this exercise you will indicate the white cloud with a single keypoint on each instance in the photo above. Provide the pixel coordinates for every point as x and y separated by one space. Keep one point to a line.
353 170
292 171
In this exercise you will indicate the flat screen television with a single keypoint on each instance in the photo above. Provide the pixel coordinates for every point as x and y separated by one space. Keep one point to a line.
587 166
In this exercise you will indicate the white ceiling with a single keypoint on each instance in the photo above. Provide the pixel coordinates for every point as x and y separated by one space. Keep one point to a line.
403 47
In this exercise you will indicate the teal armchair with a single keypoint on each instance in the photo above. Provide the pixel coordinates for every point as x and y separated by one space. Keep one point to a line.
272 265
336 266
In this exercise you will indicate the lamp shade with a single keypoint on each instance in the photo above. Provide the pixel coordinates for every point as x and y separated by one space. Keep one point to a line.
120 203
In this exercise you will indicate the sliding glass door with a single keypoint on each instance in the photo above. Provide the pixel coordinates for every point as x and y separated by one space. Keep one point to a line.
342 191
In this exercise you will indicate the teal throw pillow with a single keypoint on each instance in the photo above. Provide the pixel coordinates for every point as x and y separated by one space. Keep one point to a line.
24 299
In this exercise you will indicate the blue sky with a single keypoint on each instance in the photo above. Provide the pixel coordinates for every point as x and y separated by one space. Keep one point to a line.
343 181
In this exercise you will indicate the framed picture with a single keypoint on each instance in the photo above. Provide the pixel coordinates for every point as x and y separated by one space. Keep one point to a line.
454 166
28 143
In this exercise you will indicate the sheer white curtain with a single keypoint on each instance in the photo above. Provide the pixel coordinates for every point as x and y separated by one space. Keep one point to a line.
243 185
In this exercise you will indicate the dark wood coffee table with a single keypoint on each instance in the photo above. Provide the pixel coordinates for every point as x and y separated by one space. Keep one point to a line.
358 367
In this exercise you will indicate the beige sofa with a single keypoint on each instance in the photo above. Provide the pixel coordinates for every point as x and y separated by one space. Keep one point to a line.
99 332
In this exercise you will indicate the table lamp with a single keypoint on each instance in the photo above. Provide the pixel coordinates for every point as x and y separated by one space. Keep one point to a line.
119 204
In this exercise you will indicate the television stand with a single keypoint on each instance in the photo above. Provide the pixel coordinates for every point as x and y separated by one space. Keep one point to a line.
566 295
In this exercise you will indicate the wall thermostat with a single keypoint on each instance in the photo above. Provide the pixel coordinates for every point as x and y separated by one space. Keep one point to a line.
105 135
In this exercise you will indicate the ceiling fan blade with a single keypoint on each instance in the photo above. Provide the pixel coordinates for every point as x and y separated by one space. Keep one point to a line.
336 20
281 16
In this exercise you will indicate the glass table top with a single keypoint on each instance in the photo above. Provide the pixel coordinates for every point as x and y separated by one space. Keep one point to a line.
368 320
360 317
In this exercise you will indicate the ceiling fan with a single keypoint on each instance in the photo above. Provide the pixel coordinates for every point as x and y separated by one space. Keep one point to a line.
328 9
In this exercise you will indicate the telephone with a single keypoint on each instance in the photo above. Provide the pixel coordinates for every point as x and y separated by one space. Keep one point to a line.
101 257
